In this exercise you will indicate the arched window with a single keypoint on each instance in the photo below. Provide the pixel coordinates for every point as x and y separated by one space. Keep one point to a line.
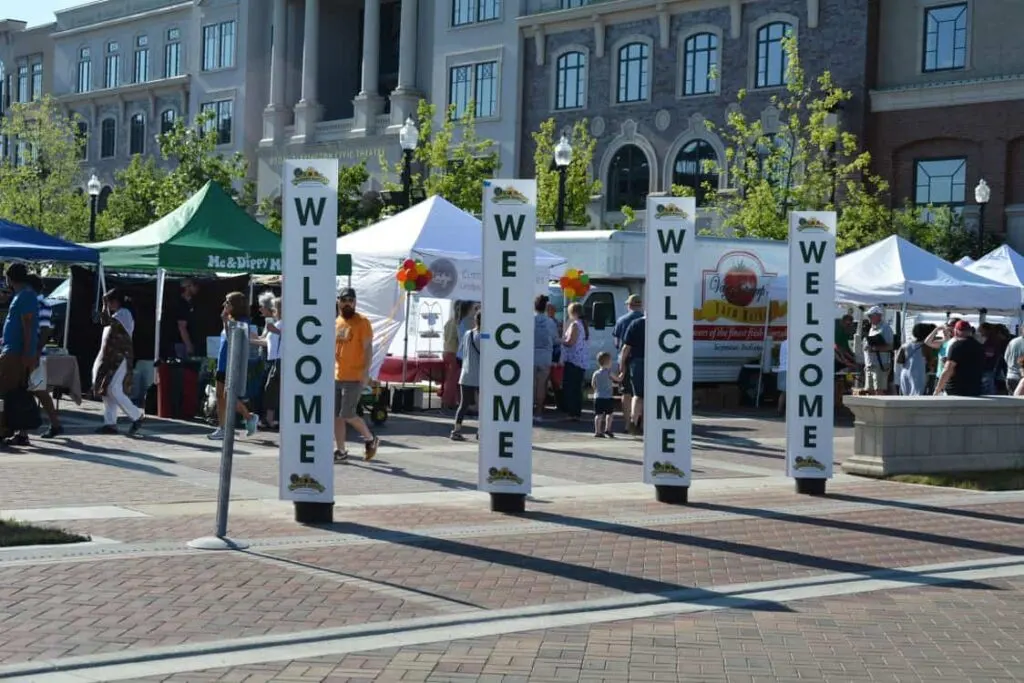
696 166
108 138
634 72
772 61
571 81
167 117
137 135
83 140
629 178
700 62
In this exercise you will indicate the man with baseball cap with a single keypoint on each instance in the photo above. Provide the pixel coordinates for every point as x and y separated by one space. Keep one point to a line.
877 353
965 362
353 354
634 310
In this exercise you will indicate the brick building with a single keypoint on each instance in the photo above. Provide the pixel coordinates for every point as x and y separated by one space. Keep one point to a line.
648 75
947 107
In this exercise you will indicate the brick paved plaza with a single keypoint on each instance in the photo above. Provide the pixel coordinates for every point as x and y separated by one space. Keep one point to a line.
418 581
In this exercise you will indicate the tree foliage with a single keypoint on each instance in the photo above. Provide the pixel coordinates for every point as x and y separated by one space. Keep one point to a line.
145 191
940 231
579 187
41 188
356 208
809 163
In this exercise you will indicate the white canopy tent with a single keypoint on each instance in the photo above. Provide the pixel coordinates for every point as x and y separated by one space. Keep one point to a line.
1002 264
964 262
896 272
446 238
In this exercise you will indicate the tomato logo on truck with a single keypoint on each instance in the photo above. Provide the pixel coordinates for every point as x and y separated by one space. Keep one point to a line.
734 298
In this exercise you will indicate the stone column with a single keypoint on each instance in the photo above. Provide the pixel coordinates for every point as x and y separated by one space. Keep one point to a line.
308 111
368 103
405 98
274 116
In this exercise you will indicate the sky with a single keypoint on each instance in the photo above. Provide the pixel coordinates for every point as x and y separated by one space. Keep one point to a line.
35 12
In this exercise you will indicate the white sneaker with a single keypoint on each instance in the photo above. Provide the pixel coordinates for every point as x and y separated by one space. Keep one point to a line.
216 435
251 424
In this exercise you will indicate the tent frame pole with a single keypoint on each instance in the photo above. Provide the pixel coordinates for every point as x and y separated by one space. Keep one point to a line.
765 352
161 279
405 346
67 308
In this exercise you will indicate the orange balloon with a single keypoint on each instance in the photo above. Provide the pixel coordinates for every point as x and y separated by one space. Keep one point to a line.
403 275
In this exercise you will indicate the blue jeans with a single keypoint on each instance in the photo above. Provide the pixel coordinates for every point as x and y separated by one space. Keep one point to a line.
988 383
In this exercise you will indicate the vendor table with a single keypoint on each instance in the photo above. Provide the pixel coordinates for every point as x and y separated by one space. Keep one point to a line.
416 370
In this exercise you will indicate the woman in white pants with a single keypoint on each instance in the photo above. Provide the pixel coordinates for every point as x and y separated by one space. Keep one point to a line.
111 372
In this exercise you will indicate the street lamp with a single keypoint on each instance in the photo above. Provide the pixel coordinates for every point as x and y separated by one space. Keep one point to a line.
563 156
982 193
409 139
94 187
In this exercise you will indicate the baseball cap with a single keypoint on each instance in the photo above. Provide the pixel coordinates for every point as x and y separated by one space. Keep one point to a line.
962 326
347 293
874 310
634 300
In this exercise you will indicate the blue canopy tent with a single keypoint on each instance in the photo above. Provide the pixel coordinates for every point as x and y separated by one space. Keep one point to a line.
19 243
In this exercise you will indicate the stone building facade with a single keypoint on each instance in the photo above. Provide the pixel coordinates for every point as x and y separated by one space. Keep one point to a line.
947 109
639 72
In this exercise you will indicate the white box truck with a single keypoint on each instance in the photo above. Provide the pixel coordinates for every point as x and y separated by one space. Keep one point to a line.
731 293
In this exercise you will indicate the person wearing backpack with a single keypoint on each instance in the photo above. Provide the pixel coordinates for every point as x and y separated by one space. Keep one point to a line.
469 379
913 364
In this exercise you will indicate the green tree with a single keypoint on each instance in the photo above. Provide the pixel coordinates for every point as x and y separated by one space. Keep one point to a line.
579 187
41 187
453 160
940 231
356 208
810 163
144 192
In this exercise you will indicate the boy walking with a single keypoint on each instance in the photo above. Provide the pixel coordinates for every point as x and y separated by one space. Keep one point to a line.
604 401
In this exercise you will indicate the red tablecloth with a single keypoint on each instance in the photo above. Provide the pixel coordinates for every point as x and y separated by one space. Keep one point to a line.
417 369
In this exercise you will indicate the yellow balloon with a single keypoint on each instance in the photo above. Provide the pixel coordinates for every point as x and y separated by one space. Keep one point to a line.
572 273
569 292
421 267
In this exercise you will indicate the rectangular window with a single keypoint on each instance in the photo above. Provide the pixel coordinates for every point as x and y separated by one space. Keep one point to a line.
945 37
37 80
940 182
142 65
108 138
476 82
172 60
569 4
219 46
23 87
84 71
112 69
474 11
166 121
221 122
634 73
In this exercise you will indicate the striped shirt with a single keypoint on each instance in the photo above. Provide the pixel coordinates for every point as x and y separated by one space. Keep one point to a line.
45 314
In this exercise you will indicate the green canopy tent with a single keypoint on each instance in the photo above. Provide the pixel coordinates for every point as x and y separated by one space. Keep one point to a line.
209 232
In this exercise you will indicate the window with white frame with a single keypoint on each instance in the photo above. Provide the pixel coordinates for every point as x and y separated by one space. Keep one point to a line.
945 37
696 167
137 134
474 11
221 122
940 182
112 66
219 46
629 179
23 94
772 61
477 83
634 73
700 64
84 83
37 80
571 80
569 4
172 53
141 59
167 118
108 138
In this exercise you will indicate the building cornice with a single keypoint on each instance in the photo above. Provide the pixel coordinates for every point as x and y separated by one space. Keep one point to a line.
124 92
948 94
619 11
110 23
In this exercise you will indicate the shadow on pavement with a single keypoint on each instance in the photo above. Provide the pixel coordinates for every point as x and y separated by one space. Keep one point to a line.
921 507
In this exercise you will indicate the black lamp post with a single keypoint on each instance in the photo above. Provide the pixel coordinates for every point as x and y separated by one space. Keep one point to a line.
409 139
982 193
94 187
563 157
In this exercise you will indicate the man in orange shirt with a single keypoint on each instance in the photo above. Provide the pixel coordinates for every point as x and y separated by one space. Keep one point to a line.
353 353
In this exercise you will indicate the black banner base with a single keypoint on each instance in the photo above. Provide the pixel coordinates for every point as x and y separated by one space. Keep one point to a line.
508 503
672 495
314 513
811 487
